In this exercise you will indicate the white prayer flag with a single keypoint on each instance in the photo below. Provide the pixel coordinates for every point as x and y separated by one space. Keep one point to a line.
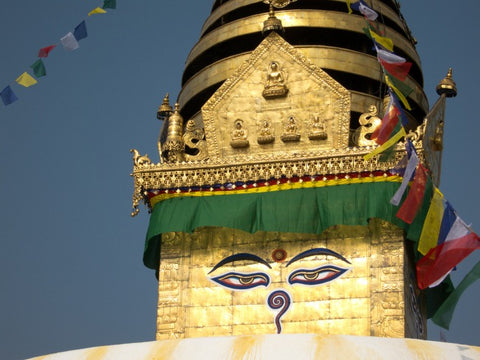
69 42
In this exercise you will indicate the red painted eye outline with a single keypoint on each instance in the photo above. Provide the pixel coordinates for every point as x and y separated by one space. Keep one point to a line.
318 276
238 281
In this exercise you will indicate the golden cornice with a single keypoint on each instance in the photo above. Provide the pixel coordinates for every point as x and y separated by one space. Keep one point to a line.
292 18
163 176
324 57
229 6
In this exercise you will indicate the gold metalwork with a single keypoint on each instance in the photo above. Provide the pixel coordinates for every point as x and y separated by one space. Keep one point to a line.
311 92
375 297
272 23
433 138
165 110
291 130
447 86
174 147
229 6
239 135
323 57
163 114
265 135
275 86
369 122
318 128
139 160
307 18
278 3
194 139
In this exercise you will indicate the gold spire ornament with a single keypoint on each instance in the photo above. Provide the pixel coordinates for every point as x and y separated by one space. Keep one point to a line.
447 86
272 23
279 3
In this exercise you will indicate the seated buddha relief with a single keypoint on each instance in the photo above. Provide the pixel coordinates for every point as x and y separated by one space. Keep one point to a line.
275 85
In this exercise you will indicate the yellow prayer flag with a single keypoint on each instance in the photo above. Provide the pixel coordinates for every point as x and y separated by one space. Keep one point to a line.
392 141
97 10
402 97
433 222
26 80
387 43
348 6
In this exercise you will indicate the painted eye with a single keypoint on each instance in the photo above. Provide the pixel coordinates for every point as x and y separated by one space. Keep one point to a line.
321 275
237 281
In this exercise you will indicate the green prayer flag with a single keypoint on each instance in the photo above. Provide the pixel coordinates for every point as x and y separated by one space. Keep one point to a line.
400 85
109 4
39 68
444 314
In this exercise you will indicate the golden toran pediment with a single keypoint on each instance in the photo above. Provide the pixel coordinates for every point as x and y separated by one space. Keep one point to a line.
277 105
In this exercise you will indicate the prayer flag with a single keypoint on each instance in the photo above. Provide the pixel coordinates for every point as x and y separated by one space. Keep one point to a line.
444 314
26 80
361 7
385 42
448 222
97 11
389 123
38 68
409 173
43 52
432 224
389 57
80 31
415 197
109 4
349 7
392 141
8 96
399 70
396 103
401 96
440 260
69 42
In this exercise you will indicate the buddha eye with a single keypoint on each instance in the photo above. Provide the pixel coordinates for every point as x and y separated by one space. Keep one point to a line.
237 281
312 277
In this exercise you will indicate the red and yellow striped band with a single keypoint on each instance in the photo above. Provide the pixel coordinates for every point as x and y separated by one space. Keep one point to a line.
262 186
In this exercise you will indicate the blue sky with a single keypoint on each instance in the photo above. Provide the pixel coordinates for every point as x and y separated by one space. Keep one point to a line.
70 255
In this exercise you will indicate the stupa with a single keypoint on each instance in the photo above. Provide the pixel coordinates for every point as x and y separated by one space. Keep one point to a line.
271 234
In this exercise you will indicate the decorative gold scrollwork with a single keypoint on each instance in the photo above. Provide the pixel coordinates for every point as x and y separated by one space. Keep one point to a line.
368 123
194 142
139 160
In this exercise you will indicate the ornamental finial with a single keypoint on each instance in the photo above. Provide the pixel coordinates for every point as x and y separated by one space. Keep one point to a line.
447 86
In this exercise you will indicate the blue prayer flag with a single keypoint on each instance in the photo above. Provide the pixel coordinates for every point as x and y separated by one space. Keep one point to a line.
8 96
80 31
448 220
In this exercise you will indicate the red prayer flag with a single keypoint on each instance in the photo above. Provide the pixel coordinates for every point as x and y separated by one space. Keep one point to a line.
440 260
45 51
414 199
399 70
389 122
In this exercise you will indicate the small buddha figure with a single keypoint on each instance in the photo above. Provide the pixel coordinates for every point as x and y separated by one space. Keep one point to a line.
291 131
266 134
275 84
318 130
239 135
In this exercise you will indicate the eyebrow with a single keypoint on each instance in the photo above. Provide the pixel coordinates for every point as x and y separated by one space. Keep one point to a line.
239 257
318 251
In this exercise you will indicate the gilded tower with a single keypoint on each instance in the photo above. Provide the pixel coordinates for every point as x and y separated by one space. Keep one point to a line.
266 218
